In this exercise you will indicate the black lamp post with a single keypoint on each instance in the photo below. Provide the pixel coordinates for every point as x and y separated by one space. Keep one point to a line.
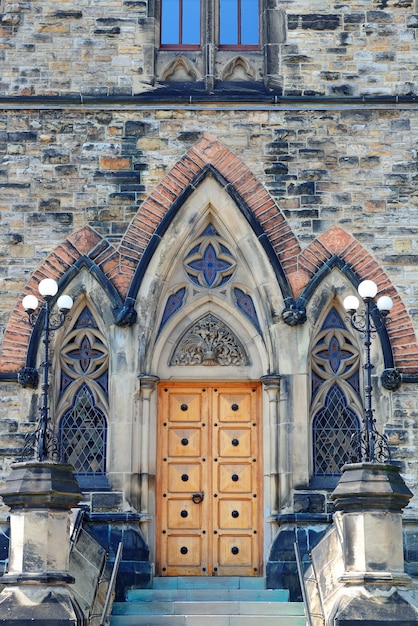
371 445
44 437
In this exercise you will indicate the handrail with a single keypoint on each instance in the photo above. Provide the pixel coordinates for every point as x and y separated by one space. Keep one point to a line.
76 527
302 582
110 589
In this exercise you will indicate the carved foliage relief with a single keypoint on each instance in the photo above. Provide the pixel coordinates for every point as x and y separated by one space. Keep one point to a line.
209 342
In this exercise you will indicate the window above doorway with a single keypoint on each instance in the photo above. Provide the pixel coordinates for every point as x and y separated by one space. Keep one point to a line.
239 24
180 24
196 47
229 24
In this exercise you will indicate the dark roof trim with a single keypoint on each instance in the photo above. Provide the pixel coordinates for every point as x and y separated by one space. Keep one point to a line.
187 97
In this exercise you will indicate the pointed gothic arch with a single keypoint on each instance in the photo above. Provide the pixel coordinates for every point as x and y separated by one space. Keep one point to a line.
200 268
121 271
338 249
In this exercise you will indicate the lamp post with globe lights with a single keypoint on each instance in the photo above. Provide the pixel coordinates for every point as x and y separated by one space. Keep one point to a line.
371 445
44 438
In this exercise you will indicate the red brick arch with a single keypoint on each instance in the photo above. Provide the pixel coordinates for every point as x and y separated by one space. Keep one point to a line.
299 266
337 242
209 151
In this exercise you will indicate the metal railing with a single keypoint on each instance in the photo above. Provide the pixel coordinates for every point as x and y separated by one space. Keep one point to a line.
110 590
302 583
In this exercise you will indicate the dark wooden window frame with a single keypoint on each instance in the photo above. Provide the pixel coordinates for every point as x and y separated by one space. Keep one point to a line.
239 45
180 45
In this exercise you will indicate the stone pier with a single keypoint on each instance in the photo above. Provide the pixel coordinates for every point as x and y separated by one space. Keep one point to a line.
37 586
357 574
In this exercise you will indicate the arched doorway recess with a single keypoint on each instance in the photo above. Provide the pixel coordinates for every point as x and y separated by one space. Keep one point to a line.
210 304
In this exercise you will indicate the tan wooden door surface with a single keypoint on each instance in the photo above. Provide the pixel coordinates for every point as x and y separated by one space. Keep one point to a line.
209 498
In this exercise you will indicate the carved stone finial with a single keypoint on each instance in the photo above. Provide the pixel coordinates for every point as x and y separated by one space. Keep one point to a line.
126 315
28 377
294 314
209 342
391 379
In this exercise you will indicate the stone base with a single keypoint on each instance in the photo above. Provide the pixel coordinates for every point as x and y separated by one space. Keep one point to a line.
373 608
28 605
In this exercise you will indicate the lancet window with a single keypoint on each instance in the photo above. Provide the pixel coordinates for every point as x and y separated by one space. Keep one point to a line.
83 400
336 403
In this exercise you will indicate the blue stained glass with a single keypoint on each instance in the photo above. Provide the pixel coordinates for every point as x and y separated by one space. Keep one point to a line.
333 428
249 22
170 21
83 434
333 320
334 355
228 27
210 265
246 305
85 319
209 231
174 303
191 22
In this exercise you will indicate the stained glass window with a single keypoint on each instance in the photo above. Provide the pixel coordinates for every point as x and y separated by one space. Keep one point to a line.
333 428
83 435
336 403
209 263
83 400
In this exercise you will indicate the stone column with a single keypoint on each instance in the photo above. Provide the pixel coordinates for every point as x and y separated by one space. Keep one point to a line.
40 496
148 385
271 384
369 499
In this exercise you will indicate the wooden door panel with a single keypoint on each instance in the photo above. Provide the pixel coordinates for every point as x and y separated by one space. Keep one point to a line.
235 478
184 442
234 407
183 514
184 477
184 407
236 514
234 442
235 552
207 481
182 553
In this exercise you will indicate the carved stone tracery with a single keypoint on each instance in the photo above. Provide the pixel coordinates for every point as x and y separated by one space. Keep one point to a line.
209 342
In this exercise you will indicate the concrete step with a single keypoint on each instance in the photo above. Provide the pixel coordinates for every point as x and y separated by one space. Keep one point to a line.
214 601
207 620
203 595
207 608
208 582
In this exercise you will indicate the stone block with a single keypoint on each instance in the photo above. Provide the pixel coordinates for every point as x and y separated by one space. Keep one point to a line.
111 501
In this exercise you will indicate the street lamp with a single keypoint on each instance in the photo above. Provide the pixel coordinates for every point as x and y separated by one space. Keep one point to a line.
44 437
371 445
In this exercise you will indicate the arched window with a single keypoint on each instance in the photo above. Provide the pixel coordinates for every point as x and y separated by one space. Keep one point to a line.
83 431
336 404
83 400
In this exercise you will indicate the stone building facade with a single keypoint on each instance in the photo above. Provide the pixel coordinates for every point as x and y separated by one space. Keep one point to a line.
208 208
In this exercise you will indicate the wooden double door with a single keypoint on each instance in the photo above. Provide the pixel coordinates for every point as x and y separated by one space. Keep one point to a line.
209 499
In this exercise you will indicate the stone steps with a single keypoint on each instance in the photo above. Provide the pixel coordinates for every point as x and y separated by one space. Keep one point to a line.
190 601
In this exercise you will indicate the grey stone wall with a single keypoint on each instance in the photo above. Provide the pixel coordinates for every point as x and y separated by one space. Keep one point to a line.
339 149
107 48
63 169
